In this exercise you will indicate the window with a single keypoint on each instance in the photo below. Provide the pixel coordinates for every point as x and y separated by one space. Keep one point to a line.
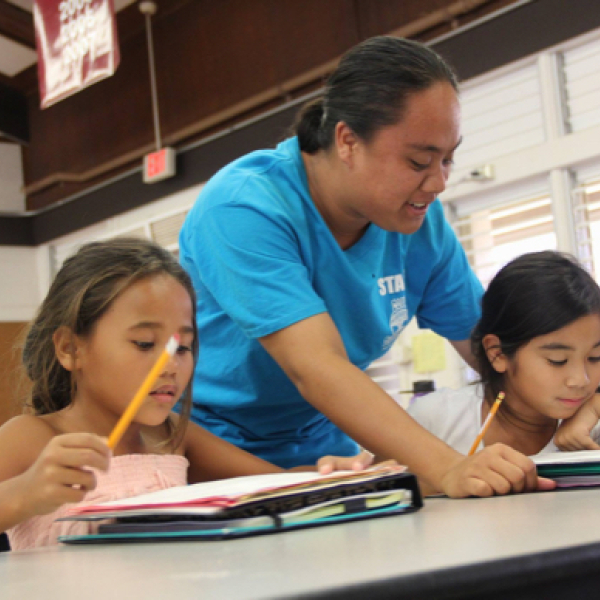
587 225
582 85
494 236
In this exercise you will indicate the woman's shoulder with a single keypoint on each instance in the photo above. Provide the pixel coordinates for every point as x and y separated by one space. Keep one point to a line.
267 181
257 168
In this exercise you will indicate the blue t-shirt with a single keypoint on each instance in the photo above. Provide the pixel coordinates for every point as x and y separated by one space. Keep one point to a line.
261 258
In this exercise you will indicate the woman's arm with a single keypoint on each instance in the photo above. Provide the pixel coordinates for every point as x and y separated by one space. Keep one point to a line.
312 354
39 472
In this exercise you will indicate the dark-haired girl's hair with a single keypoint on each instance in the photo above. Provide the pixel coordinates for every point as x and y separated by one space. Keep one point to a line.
82 291
533 295
369 89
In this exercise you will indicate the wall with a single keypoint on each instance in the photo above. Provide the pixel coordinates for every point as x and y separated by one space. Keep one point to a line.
12 198
24 273
11 392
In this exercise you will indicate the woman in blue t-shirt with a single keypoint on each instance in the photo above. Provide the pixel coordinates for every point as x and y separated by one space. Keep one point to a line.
309 259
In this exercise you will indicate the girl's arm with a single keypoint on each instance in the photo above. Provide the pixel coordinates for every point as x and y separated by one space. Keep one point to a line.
39 472
312 354
574 433
214 458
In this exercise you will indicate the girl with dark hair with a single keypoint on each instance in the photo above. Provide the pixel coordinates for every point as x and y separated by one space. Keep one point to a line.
312 257
538 341
106 319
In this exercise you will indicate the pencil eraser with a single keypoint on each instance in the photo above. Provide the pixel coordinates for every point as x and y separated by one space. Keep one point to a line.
172 344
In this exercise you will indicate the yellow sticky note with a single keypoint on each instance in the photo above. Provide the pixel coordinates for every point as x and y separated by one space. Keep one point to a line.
429 352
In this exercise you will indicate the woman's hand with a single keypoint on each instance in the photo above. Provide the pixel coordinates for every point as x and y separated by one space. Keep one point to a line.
61 474
574 433
362 460
497 469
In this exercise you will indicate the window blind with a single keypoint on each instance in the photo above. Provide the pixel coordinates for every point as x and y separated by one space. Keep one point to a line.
586 204
582 85
491 237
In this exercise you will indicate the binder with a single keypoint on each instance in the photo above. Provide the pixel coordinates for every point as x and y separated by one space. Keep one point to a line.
247 506
570 469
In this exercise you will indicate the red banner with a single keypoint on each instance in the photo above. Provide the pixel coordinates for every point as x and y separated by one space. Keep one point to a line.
76 45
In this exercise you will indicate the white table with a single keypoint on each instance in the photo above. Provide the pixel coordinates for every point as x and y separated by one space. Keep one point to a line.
523 546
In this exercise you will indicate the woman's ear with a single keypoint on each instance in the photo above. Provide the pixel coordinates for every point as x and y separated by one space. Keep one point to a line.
493 349
65 348
345 142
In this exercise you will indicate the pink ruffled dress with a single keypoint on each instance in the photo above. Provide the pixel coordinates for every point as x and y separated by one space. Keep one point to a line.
129 475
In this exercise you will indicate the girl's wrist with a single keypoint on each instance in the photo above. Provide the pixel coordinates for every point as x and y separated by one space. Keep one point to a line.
11 514
438 481
19 503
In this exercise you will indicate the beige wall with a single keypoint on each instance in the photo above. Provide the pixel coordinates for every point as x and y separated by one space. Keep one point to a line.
11 393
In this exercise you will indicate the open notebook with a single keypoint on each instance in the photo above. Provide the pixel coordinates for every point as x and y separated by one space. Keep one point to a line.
253 505
570 469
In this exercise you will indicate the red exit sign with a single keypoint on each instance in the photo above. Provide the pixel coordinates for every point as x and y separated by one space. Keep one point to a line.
159 165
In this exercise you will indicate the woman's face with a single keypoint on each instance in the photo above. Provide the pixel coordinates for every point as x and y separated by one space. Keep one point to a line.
399 172
554 374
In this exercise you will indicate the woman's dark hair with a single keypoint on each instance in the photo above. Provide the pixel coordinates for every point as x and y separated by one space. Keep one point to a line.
369 89
532 295
84 288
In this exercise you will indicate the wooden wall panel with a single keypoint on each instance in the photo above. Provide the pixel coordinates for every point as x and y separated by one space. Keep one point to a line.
104 120
305 36
375 17
210 56
229 51
10 370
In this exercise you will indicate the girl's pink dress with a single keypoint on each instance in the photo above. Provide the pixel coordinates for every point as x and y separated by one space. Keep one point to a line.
129 475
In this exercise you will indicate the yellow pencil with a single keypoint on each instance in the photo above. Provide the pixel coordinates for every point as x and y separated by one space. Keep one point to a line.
143 391
487 422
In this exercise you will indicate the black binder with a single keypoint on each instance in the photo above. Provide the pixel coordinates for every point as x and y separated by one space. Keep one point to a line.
258 505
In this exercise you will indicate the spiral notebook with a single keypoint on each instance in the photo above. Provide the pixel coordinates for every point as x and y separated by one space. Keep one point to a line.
254 505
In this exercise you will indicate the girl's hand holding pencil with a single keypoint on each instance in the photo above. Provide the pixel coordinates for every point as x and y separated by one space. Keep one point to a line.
62 473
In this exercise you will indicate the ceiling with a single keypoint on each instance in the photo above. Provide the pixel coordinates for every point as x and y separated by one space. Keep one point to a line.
16 51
